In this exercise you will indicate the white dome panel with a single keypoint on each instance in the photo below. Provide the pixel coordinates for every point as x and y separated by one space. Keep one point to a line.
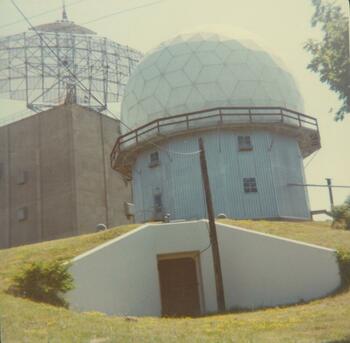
196 71
209 73
192 68
177 79
163 59
162 93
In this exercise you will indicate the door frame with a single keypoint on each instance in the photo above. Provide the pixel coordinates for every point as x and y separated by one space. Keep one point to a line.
195 255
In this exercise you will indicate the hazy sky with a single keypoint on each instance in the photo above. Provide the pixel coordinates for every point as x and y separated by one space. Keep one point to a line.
283 25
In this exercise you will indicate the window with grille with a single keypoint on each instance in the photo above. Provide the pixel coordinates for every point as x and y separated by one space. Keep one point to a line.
249 184
244 143
154 159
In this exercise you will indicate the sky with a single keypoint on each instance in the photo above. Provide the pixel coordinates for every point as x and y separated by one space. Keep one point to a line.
283 25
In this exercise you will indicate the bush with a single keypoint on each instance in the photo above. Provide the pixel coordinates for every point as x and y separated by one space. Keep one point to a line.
344 266
44 282
341 216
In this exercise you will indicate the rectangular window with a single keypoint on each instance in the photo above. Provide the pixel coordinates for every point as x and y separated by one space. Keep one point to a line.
244 143
154 159
22 214
249 185
158 206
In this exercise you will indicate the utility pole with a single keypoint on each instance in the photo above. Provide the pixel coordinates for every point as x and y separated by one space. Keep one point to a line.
212 230
329 184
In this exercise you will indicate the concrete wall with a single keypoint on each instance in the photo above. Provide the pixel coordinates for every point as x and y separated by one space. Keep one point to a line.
56 166
100 191
37 157
120 277
4 189
274 162
68 184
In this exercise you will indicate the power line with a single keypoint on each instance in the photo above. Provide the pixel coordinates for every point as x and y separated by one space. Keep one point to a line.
42 13
123 11
93 20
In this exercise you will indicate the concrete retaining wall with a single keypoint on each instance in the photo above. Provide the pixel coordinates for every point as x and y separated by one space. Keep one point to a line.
120 277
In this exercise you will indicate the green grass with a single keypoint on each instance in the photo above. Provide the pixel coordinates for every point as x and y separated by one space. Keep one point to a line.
325 320
319 233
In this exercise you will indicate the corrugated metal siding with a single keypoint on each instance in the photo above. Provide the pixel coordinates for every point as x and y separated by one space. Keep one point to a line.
288 168
274 161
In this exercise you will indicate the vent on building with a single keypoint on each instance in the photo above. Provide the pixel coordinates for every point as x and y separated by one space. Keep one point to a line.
22 214
129 209
21 177
154 159
249 185
244 143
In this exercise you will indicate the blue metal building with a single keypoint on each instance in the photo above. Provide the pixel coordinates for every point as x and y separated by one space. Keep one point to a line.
247 108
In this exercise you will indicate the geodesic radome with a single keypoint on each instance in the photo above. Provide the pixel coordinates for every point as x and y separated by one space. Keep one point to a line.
198 71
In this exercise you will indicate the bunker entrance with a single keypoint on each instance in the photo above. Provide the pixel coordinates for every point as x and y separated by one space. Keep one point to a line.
179 285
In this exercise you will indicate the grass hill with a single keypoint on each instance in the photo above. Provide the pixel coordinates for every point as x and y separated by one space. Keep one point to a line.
325 320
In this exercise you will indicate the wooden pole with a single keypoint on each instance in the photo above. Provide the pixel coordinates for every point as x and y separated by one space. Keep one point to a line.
220 296
329 184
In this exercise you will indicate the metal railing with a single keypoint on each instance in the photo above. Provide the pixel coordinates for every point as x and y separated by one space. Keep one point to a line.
214 117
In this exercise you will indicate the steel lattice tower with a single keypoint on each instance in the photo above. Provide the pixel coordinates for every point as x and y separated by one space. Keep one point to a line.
52 61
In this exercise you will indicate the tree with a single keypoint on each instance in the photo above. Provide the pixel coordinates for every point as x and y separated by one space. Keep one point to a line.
330 57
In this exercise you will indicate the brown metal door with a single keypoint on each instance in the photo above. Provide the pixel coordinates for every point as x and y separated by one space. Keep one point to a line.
179 287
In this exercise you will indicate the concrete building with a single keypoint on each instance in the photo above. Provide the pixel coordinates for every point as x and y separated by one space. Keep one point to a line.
168 269
55 176
246 106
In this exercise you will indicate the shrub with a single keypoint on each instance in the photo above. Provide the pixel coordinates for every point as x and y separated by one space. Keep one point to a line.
341 216
344 266
44 282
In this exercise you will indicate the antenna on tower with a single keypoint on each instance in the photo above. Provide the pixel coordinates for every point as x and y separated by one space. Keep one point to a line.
64 13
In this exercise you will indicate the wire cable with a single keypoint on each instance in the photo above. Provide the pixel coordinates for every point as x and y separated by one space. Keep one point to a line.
311 159
177 152
42 13
122 11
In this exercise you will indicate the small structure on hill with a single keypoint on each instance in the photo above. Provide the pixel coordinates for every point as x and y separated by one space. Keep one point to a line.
247 108
167 269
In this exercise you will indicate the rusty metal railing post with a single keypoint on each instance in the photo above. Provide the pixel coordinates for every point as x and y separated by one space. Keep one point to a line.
221 118
250 115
